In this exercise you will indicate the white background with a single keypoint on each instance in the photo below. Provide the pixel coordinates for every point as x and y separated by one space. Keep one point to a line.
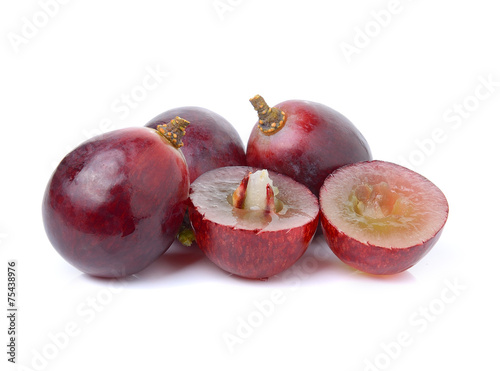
415 82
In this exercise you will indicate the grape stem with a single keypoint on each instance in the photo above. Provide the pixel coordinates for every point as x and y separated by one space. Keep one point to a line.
271 120
174 131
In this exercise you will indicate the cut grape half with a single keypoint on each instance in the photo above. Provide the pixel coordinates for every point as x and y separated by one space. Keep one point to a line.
251 222
380 217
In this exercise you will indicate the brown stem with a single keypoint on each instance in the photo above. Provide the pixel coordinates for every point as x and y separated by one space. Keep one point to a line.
174 131
271 120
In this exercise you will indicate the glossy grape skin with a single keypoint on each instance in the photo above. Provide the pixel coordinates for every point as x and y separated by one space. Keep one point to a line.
210 142
115 203
314 141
